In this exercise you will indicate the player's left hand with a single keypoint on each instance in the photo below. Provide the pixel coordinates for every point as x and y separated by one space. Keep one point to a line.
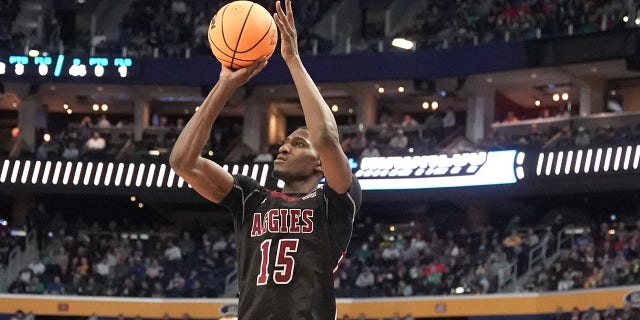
288 34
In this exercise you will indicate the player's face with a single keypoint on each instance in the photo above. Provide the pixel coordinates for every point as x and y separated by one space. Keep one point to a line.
297 158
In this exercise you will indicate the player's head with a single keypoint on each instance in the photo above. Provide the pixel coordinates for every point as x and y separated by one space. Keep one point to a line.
297 158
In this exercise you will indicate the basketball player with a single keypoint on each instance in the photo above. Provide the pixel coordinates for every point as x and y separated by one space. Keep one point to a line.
289 242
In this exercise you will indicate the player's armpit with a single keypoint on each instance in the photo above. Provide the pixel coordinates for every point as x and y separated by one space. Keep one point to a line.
208 179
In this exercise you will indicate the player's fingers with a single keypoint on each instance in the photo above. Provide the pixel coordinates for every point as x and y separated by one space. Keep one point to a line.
289 11
259 68
256 65
282 26
283 16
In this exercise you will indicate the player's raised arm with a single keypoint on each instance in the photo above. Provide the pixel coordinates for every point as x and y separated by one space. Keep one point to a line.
322 126
205 176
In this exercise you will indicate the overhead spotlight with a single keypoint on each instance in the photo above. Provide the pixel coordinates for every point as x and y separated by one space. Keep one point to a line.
434 105
625 19
425 105
613 92
140 205
350 110
14 104
46 137
133 198
392 228
403 43
95 107
400 89
210 153
3 68
69 111
556 97
65 106
104 107
537 103
637 21
410 150
565 96
34 53
381 90
334 108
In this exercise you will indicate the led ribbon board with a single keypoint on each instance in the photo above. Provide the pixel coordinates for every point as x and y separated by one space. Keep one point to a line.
58 66
440 171
588 161
107 174
381 173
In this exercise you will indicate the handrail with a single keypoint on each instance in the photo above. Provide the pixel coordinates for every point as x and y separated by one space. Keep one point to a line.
507 275
560 240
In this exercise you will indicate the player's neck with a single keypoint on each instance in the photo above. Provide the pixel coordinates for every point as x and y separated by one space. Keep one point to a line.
300 186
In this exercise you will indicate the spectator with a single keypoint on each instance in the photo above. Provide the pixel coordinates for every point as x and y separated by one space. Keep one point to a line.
173 252
371 150
95 145
408 121
591 314
532 238
398 142
18 316
55 287
36 266
582 138
36 286
186 244
103 122
510 118
102 268
70 151
449 121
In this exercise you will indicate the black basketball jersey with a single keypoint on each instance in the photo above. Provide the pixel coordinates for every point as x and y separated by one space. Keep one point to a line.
289 246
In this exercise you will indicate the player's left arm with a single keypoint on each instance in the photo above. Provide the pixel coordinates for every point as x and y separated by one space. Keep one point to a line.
319 119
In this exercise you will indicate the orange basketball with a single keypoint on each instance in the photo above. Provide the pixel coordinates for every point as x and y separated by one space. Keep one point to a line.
241 32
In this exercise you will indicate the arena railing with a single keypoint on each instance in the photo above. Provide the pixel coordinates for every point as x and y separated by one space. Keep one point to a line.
18 259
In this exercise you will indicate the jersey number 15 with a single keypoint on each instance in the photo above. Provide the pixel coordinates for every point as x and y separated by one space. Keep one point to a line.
283 269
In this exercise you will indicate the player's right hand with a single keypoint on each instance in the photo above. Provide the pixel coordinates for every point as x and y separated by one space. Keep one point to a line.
237 78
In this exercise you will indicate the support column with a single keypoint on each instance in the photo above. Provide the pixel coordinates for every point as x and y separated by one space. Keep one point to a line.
140 117
277 125
22 204
255 123
591 96
27 121
366 110
480 111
